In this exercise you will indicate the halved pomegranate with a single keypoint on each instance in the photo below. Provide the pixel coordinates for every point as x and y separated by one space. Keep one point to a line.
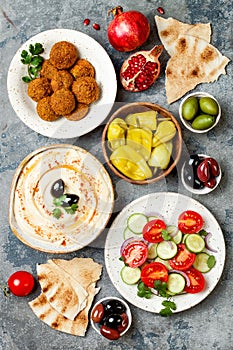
141 69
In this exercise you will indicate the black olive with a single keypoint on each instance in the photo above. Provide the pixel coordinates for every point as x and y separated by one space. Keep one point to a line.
69 200
57 188
197 184
114 307
113 321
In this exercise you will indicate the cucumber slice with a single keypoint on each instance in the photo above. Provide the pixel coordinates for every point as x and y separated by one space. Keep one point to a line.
166 249
130 275
171 229
184 237
136 222
195 243
201 262
164 262
152 217
175 283
128 233
152 251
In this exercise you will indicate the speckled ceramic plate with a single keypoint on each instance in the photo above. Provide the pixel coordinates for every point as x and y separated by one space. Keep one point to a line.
31 208
25 107
169 205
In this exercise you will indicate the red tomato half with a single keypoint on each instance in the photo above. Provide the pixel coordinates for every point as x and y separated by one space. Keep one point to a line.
21 283
152 272
183 260
197 281
190 222
135 253
152 231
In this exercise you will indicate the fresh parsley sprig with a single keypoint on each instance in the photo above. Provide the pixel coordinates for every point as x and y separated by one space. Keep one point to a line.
169 306
144 291
33 60
58 202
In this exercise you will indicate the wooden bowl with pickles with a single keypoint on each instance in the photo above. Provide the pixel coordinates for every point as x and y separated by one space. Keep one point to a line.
142 142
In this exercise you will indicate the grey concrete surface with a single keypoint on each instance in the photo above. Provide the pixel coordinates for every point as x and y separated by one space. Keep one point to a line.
207 326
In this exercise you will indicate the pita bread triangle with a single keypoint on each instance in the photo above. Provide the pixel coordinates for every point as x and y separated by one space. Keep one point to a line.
169 30
195 61
46 313
77 278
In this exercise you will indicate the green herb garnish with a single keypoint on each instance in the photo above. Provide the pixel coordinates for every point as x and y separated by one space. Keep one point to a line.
203 233
72 209
211 261
58 202
166 236
144 291
168 307
57 213
33 60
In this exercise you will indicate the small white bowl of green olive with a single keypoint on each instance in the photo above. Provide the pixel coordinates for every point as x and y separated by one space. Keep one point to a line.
200 112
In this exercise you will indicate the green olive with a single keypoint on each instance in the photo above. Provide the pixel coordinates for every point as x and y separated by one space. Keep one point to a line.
190 108
203 122
208 105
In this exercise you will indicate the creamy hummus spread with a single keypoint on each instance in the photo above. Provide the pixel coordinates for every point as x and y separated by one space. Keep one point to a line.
32 202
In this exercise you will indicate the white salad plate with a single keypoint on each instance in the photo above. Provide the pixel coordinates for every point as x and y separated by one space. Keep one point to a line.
31 205
89 49
169 205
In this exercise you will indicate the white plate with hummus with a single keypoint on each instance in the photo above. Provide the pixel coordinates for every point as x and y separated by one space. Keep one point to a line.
25 107
169 205
32 203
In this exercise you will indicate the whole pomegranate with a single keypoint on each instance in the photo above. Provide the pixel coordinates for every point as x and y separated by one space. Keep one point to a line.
141 69
128 30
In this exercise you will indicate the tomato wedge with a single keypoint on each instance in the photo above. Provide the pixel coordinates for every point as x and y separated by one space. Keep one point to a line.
190 222
135 253
197 281
183 260
152 272
152 231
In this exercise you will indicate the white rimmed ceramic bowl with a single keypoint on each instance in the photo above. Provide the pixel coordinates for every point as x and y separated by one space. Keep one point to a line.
203 190
187 123
96 326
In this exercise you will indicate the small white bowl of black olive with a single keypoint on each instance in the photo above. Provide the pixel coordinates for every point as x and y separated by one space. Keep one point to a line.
111 317
200 174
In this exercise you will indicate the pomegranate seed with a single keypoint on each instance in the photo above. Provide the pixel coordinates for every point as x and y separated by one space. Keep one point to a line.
160 10
86 22
96 26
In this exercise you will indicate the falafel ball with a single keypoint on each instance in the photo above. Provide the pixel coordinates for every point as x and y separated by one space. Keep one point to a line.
62 79
63 54
83 68
78 113
86 90
39 88
48 70
63 101
45 111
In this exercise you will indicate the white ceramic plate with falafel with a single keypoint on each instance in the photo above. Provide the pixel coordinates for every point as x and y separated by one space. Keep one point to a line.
87 49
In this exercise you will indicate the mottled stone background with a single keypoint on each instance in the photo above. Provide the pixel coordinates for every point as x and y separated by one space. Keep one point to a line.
208 325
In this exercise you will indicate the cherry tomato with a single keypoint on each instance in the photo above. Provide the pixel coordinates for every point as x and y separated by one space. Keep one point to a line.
152 272
21 283
135 253
190 222
152 231
183 260
197 281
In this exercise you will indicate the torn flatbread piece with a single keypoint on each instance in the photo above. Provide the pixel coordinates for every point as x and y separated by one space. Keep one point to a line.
85 271
169 30
46 313
68 288
59 291
195 61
